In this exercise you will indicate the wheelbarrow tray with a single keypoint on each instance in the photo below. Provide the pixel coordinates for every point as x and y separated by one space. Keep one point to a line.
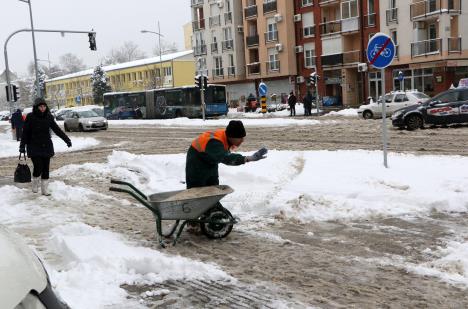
187 204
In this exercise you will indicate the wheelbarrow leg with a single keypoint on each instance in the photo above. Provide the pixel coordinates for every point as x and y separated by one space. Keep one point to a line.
179 232
159 231
172 230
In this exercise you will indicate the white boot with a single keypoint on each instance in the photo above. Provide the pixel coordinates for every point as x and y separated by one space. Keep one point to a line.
45 187
35 184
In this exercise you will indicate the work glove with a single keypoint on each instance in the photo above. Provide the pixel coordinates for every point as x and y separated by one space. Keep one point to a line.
69 144
22 150
260 154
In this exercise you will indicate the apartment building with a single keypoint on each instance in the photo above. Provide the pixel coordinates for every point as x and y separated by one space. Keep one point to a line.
432 40
269 37
170 70
332 37
218 43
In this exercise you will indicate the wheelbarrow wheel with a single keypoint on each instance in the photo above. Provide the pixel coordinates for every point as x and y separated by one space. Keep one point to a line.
213 229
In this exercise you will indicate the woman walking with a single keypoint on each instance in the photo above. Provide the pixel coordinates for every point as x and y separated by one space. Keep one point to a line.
37 140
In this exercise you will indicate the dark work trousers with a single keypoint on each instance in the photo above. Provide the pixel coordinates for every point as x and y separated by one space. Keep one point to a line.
292 109
41 167
19 133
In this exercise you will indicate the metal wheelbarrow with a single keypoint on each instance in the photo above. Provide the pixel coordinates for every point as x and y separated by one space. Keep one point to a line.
195 205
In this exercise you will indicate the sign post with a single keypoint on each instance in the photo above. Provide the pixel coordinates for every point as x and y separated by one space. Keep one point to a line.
401 77
380 54
262 90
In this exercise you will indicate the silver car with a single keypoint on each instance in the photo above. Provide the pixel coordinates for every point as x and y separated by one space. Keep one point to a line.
86 120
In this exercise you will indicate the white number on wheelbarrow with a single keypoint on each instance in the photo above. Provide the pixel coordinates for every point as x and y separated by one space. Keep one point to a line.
186 208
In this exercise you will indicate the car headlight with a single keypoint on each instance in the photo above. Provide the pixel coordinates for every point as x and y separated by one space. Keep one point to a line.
89 122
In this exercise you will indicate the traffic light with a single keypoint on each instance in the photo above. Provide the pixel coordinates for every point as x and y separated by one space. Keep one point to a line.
198 81
314 78
205 82
7 90
92 40
15 91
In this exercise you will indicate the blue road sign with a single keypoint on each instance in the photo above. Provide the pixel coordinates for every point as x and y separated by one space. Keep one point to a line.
262 89
401 76
380 51
78 99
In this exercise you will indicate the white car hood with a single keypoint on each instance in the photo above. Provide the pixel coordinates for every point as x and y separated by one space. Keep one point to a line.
20 270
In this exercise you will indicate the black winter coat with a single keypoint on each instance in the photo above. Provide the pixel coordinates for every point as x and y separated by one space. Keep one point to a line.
36 134
16 120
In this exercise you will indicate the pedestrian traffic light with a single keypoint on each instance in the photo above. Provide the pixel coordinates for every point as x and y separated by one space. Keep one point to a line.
198 81
205 82
16 94
92 40
314 78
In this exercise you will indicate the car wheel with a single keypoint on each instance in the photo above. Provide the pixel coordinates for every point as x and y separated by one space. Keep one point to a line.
80 128
367 114
178 113
65 127
414 122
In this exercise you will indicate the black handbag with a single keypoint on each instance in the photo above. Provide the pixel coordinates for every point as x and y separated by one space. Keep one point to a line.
22 172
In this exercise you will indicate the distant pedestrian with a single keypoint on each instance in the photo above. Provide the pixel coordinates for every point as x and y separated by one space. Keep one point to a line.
38 143
17 123
308 103
292 100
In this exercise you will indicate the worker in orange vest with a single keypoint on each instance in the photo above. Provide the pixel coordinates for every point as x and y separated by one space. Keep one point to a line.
214 147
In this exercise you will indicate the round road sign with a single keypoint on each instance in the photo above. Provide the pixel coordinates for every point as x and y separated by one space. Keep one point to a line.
380 51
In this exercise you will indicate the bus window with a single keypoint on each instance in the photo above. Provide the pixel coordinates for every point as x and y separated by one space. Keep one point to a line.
216 94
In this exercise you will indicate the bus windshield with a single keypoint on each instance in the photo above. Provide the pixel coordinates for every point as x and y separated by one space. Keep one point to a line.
216 94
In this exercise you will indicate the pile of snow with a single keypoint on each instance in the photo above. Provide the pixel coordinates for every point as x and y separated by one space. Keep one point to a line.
10 147
348 112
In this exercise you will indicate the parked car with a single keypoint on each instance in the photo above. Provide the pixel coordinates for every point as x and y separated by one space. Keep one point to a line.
84 121
61 114
95 108
24 282
4 115
394 100
447 107
124 112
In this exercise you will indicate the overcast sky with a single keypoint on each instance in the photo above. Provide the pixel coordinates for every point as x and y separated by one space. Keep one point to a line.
115 22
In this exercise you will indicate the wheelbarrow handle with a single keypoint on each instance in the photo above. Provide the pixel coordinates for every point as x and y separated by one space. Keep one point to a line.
138 198
124 183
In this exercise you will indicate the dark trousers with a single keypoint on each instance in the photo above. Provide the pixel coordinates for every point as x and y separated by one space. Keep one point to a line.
41 167
292 109
19 133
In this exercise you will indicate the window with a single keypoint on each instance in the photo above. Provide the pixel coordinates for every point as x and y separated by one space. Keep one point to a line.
423 80
307 2
392 4
218 64
272 30
168 71
400 98
309 55
308 24
349 9
447 97
394 36
463 95
273 59
371 13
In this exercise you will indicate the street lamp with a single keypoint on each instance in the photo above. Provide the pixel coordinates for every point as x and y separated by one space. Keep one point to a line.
160 52
38 89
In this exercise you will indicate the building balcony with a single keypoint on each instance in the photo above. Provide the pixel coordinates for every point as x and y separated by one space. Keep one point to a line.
350 57
370 20
215 20
199 50
196 3
253 68
251 40
198 25
392 16
250 12
326 2
269 7
228 45
227 18
430 8
331 27
214 47
454 45
231 71
426 47
273 66
350 24
271 36
218 73
329 60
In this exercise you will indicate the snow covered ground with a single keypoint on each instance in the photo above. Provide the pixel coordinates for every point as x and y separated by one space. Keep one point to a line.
308 186
10 147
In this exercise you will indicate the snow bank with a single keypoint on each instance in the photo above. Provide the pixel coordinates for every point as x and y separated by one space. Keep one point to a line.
10 147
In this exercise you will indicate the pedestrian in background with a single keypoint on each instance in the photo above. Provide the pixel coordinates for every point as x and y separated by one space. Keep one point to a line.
308 104
17 123
292 100
37 142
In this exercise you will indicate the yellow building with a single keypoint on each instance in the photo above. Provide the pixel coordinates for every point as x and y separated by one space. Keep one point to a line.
75 89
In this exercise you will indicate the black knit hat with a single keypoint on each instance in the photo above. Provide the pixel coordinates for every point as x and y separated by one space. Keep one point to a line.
235 129
39 101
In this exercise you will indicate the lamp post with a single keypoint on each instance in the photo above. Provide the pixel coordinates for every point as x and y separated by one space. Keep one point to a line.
160 51
38 89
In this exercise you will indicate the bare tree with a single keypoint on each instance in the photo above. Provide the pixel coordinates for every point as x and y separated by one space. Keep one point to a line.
70 63
166 48
51 70
129 51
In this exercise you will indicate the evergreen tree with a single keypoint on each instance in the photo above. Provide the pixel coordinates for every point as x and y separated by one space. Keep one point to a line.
100 84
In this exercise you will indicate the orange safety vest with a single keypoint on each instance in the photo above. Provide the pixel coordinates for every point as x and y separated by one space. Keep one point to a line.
202 140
